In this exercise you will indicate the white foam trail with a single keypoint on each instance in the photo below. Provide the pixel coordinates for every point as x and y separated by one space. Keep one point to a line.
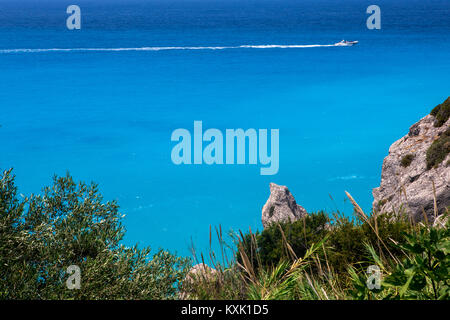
271 46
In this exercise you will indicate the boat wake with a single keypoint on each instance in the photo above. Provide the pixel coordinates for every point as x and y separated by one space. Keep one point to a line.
270 46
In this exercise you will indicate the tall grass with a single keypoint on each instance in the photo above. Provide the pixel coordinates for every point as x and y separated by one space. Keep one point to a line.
416 266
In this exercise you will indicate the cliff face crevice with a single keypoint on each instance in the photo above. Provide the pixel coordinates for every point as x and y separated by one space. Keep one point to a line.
417 169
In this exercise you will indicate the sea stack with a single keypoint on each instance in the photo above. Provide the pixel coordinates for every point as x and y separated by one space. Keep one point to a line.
281 206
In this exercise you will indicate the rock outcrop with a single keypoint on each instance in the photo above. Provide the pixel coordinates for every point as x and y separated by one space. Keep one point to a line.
408 182
281 206
199 273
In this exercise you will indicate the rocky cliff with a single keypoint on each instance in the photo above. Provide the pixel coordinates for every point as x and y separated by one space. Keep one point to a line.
417 170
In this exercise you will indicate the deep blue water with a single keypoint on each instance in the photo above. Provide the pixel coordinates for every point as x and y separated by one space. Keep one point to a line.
108 116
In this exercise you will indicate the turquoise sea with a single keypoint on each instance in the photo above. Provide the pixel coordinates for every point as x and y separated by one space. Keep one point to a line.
107 116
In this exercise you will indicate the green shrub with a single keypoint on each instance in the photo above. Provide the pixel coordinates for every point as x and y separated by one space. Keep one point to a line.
40 236
424 273
273 264
441 112
300 234
406 160
421 273
348 237
344 247
438 150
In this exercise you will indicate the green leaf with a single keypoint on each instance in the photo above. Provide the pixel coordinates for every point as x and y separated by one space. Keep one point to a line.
405 287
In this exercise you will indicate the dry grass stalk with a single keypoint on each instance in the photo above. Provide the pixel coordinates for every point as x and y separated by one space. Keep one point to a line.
248 266
425 217
290 252
357 207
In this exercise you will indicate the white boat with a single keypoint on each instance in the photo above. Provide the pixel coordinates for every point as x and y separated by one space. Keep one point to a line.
346 43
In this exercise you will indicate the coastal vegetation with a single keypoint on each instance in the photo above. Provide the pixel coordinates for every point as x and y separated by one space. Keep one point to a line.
320 256
438 150
70 224
441 112
406 160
